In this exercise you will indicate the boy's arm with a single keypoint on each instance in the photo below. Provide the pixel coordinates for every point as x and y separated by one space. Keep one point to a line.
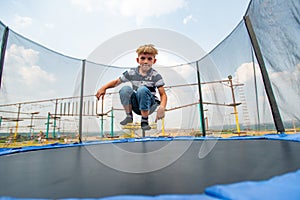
163 103
111 84
163 96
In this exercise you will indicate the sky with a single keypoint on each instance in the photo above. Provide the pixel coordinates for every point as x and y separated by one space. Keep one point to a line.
76 27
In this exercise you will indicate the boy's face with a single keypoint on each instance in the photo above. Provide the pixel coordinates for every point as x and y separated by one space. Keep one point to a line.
146 59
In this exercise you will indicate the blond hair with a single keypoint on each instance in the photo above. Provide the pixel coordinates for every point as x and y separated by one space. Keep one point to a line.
147 49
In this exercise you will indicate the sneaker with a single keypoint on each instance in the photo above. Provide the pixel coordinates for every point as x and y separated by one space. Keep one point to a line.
145 126
126 121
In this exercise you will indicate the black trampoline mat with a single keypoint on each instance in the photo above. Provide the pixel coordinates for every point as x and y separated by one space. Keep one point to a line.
74 172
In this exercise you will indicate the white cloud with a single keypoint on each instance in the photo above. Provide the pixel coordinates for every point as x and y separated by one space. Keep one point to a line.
245 72
23 21
33 75
287 75
154 8
188 18
168 59
24 62
285 85
132 8
19 56
290 78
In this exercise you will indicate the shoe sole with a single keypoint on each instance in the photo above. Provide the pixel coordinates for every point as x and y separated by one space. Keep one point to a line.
126 123
123 124
147 128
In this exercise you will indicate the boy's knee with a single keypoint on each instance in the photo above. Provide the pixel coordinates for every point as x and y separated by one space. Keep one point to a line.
143 89
126 90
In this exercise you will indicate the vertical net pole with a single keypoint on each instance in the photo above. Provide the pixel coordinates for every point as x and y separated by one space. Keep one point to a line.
2 53
272 101
101 118
256 92
81 101
48 124
235 112
112 123
200 102
55 117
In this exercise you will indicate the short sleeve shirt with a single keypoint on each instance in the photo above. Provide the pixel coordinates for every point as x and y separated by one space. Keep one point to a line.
152 80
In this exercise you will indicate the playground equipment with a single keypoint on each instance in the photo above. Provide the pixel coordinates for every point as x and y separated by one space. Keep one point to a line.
64 108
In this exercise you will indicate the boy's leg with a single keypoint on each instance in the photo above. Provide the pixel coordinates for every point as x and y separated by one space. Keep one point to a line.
145 100
125 97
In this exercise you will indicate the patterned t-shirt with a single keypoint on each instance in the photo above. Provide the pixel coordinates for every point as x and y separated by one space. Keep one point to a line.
152 80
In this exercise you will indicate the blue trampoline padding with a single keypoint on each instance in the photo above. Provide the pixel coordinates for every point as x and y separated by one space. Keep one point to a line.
288 137
162 197
135 197
286 186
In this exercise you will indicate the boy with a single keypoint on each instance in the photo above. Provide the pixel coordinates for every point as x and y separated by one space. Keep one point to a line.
140 98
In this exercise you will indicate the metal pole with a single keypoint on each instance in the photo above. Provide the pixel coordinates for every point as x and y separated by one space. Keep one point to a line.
256 92
199 110
17 122
112 123
54 122
30 127
200 102
272 101
163 127
102 107
3 50
48 124
234 106
81 101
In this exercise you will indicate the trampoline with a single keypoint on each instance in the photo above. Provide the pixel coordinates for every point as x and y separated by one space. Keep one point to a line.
73 171
249 83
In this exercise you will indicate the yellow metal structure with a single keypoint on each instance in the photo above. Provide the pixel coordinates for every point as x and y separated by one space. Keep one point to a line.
163 127
234 104
136 126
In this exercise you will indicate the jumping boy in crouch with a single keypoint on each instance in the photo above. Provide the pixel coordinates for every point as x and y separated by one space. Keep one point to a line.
140 98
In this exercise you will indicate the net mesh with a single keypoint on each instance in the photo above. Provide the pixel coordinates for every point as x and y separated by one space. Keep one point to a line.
42 97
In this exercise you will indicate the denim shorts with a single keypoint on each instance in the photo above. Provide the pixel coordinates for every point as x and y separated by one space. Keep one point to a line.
142 99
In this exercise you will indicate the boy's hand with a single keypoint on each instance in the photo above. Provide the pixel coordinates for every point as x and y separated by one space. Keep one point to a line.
100 92
160 113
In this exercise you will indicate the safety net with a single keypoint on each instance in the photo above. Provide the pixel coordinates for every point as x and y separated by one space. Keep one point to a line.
247 85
